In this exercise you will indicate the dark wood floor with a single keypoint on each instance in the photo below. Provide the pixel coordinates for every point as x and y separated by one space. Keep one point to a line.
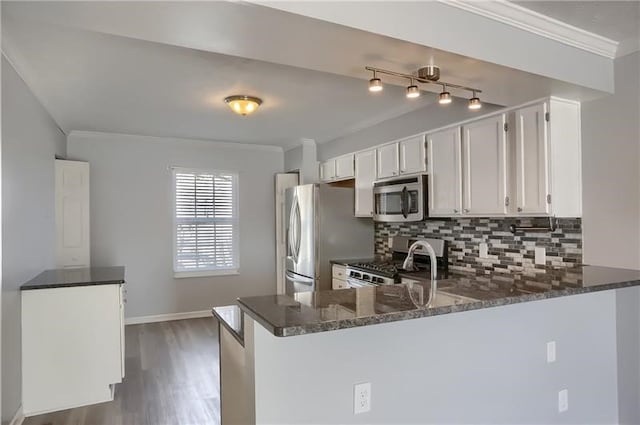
171 379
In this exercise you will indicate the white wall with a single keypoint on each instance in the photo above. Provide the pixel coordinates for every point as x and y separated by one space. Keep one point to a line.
611 211
30 139
423 119
131 217
611 171
479 367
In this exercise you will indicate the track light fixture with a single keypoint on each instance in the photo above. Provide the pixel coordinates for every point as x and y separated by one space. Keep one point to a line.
444 97
375 84
412 90
426 75
474 102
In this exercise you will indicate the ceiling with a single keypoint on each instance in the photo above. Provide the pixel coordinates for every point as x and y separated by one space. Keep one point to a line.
163 69
616 20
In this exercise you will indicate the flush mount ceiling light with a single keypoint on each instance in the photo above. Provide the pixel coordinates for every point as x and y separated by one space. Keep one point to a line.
426 75
243 105
375 84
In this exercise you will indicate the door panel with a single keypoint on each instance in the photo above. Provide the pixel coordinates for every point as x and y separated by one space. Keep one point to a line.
445 173
301 232
72 213
484 158
532 159
365 176
388 161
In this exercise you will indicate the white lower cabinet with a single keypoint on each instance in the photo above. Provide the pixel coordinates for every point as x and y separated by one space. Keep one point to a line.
339 276
365 172
72 346
445 173
484 167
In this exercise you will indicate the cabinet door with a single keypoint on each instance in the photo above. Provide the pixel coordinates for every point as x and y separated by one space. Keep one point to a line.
328 170
344 167
388 161
413 155
445 173
365 176
531 160
484 166
72 213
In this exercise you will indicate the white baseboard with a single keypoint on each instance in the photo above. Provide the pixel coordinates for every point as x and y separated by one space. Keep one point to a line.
18 418
167 317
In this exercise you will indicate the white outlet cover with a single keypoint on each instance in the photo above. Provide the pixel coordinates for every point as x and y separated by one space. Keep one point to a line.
551 351
541 255
484 250
563 401
361 398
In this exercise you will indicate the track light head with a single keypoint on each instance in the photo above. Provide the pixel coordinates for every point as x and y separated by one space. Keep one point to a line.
413 91
445 97
474 102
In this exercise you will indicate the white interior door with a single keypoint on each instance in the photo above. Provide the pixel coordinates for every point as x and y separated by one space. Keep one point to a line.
365 176
72 213
283 181
484 159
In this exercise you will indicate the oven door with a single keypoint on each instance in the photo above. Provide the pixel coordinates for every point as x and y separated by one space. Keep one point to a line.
400 200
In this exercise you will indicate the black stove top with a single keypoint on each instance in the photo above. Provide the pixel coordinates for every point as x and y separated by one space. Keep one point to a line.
389 269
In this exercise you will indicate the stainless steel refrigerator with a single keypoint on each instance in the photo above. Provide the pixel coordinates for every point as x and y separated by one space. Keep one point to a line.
320 228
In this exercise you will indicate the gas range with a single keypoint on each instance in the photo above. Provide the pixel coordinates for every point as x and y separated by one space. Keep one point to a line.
388 272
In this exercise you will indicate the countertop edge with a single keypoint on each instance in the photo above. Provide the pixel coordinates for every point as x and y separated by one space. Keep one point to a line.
424 312
238 336
71 285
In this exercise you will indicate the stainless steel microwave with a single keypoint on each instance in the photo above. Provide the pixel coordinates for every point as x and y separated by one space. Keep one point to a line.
401 199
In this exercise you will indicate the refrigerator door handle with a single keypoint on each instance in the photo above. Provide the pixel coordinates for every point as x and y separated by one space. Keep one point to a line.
298 230
293 230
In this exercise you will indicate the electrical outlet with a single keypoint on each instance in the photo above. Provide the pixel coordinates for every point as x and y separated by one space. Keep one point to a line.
551 351
541 255
361 398
484 250
563 401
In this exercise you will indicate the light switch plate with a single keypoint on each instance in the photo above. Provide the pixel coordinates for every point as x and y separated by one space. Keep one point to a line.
551 351
563 401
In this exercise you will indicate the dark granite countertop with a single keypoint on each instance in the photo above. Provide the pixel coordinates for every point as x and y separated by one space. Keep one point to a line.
346 308
232 318
347 261
65 278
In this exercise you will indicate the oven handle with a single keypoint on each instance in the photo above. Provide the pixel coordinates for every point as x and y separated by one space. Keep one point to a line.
404 201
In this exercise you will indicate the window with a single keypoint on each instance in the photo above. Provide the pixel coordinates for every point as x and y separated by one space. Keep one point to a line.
206 222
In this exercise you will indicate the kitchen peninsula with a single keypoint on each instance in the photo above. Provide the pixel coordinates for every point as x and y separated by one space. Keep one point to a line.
479 365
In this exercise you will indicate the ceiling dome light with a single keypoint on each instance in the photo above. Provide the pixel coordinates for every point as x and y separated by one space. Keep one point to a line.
413 91
474 102
243 105
445 97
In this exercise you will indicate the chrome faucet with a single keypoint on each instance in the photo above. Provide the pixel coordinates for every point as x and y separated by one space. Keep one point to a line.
408 265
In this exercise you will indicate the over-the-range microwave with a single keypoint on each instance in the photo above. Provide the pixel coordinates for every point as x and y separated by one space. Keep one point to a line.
401 199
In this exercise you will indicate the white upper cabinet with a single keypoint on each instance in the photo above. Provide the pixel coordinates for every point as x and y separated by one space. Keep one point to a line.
344 167
530 161
484 170
413 155
387 158
445 173
365 176
335 169
328 170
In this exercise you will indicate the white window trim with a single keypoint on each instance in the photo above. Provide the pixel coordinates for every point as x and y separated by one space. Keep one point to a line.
206 272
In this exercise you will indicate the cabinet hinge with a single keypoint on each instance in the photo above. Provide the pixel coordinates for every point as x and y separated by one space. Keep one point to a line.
549 199
506 127
506 201
547 116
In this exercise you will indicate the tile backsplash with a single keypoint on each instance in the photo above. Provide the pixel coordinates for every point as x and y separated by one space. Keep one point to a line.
506 251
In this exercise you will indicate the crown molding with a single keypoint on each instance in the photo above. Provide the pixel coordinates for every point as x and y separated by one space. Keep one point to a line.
536 23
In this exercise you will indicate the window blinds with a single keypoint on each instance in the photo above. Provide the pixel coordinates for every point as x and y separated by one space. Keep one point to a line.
206 221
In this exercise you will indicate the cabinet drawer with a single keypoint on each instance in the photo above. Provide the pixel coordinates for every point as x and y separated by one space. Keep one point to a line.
338 284
339 272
